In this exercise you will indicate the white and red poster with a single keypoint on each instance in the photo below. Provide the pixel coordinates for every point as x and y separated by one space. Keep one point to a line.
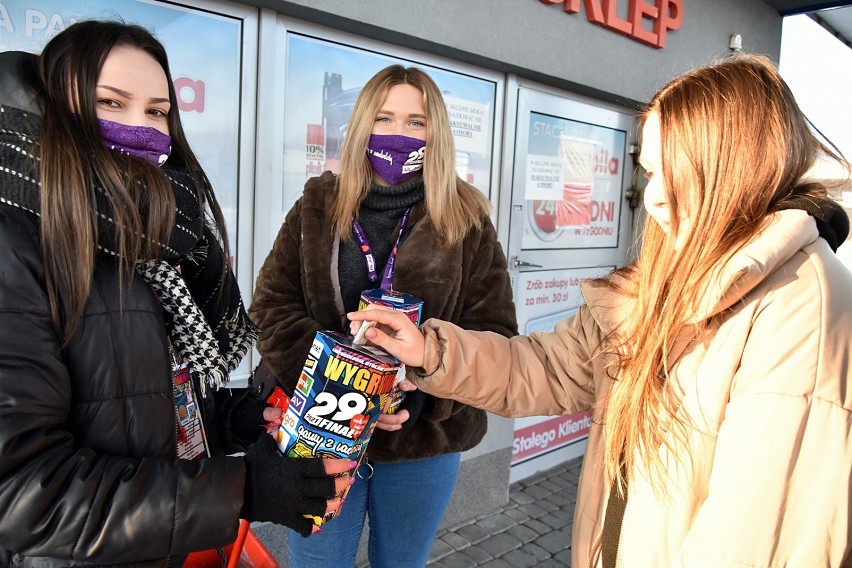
544 298
572 185
547 296
548 435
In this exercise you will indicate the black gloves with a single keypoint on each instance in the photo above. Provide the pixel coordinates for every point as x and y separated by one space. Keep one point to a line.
247 421
415 403
246 416
282 490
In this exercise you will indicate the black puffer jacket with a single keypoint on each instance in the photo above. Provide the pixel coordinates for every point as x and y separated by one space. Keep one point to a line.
88 466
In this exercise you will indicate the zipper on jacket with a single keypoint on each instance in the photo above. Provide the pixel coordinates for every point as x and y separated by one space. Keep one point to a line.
611 532
171 362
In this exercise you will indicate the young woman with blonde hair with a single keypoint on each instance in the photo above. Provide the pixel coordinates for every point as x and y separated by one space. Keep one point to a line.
453 206
717 366
397 216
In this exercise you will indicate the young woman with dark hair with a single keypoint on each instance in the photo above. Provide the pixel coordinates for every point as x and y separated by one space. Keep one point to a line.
120 320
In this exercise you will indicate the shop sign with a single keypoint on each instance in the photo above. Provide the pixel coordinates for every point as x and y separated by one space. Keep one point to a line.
549 435
664 15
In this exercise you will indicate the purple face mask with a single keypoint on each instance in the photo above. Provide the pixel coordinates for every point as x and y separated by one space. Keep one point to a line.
396 159
140 141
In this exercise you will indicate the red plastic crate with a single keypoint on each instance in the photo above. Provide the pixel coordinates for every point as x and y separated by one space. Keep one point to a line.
251 553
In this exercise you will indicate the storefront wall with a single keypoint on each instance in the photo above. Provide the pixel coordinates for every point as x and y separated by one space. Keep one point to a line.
538 40
540 95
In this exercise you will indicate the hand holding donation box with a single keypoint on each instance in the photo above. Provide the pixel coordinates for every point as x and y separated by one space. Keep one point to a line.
342 390
337 401
410 306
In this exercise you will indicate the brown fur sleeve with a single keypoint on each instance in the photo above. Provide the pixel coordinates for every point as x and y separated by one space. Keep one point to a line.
278 306
486 299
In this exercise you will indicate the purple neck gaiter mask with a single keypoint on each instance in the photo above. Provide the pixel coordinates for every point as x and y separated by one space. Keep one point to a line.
396 159
140 141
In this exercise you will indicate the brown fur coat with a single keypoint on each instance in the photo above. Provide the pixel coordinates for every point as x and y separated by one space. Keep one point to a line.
297 293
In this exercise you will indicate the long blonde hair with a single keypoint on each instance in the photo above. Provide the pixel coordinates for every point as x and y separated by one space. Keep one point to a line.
453 206
734 146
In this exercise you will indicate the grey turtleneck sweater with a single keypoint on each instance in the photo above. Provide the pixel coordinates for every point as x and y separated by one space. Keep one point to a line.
379 216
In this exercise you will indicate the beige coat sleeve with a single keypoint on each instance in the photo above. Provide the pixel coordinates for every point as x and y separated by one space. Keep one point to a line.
539 375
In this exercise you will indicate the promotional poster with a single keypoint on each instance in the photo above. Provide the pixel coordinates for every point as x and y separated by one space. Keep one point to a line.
572 185
546 297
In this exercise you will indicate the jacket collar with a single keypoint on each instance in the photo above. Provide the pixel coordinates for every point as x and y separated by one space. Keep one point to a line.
18 75
784 233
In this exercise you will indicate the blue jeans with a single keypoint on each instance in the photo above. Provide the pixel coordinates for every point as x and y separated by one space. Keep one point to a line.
405 502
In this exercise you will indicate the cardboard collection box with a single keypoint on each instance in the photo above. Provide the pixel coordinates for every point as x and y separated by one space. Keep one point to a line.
412 307
340 394
342 390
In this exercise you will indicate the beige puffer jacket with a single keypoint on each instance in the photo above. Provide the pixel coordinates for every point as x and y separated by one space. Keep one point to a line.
768 389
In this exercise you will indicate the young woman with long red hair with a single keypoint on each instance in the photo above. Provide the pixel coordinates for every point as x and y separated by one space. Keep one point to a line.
717 367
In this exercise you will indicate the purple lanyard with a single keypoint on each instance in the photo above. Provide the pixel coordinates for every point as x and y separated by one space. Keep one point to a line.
364 245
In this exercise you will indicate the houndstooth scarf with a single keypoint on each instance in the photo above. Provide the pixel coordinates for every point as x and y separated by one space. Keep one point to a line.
204 314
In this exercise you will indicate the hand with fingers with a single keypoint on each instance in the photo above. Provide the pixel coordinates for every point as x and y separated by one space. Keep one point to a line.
395 333
288 491
250 417
414 404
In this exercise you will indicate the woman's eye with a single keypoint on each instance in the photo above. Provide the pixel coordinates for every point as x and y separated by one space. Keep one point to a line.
158 113
382 119
110 103
417 123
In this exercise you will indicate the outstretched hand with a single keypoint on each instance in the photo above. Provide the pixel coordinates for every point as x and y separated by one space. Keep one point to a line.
396 334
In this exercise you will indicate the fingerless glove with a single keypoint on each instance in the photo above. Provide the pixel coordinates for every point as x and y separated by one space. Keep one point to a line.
282 490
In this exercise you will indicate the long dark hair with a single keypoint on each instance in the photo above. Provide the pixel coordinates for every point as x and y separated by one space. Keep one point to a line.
74 160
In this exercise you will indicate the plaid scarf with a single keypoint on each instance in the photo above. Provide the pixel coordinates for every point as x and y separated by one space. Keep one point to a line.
204 314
